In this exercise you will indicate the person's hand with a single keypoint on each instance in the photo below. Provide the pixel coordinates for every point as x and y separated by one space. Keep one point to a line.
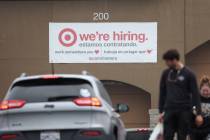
199 120
161 117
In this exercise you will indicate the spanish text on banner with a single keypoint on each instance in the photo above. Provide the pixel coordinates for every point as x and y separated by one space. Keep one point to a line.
123 42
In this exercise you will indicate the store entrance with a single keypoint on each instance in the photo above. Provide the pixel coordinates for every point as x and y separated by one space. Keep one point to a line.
138 100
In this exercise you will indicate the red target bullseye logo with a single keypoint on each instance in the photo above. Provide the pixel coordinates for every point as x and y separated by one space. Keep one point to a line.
67 37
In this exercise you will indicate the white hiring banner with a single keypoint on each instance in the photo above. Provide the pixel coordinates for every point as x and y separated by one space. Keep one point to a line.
123 42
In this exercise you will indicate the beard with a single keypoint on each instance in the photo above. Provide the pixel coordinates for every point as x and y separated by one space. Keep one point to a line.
173 67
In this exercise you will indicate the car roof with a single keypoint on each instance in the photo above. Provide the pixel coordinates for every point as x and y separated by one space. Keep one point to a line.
77 76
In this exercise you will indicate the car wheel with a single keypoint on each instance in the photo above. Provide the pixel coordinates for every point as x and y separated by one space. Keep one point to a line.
114 136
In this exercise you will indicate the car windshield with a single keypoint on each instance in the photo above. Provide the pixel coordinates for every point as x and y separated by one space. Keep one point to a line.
49 90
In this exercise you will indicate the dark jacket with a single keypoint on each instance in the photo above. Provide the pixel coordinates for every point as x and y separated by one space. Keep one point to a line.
179 90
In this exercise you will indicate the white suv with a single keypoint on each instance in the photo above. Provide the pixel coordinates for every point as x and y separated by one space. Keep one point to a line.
60 107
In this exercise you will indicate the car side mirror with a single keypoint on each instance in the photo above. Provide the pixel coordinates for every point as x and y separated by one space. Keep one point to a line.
122 108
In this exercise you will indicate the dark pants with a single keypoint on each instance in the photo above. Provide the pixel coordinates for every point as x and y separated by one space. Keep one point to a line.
200 133
198 137
177 122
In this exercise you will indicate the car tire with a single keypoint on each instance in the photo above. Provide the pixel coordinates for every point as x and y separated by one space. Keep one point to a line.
114 136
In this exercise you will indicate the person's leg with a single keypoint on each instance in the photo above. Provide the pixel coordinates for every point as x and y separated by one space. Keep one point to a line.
184 121
169 125
195 137
198 136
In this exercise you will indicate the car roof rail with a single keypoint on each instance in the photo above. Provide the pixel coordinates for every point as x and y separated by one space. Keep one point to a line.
23 74
84 72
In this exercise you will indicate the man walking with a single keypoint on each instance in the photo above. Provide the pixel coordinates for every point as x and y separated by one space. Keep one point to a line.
178 95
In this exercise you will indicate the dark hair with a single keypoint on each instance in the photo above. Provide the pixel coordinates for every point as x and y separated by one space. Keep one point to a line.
171 55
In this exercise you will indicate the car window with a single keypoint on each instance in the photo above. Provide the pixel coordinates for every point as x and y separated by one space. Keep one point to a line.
42 90
104 93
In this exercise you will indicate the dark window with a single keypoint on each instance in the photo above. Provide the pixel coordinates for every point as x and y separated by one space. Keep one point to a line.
46 90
